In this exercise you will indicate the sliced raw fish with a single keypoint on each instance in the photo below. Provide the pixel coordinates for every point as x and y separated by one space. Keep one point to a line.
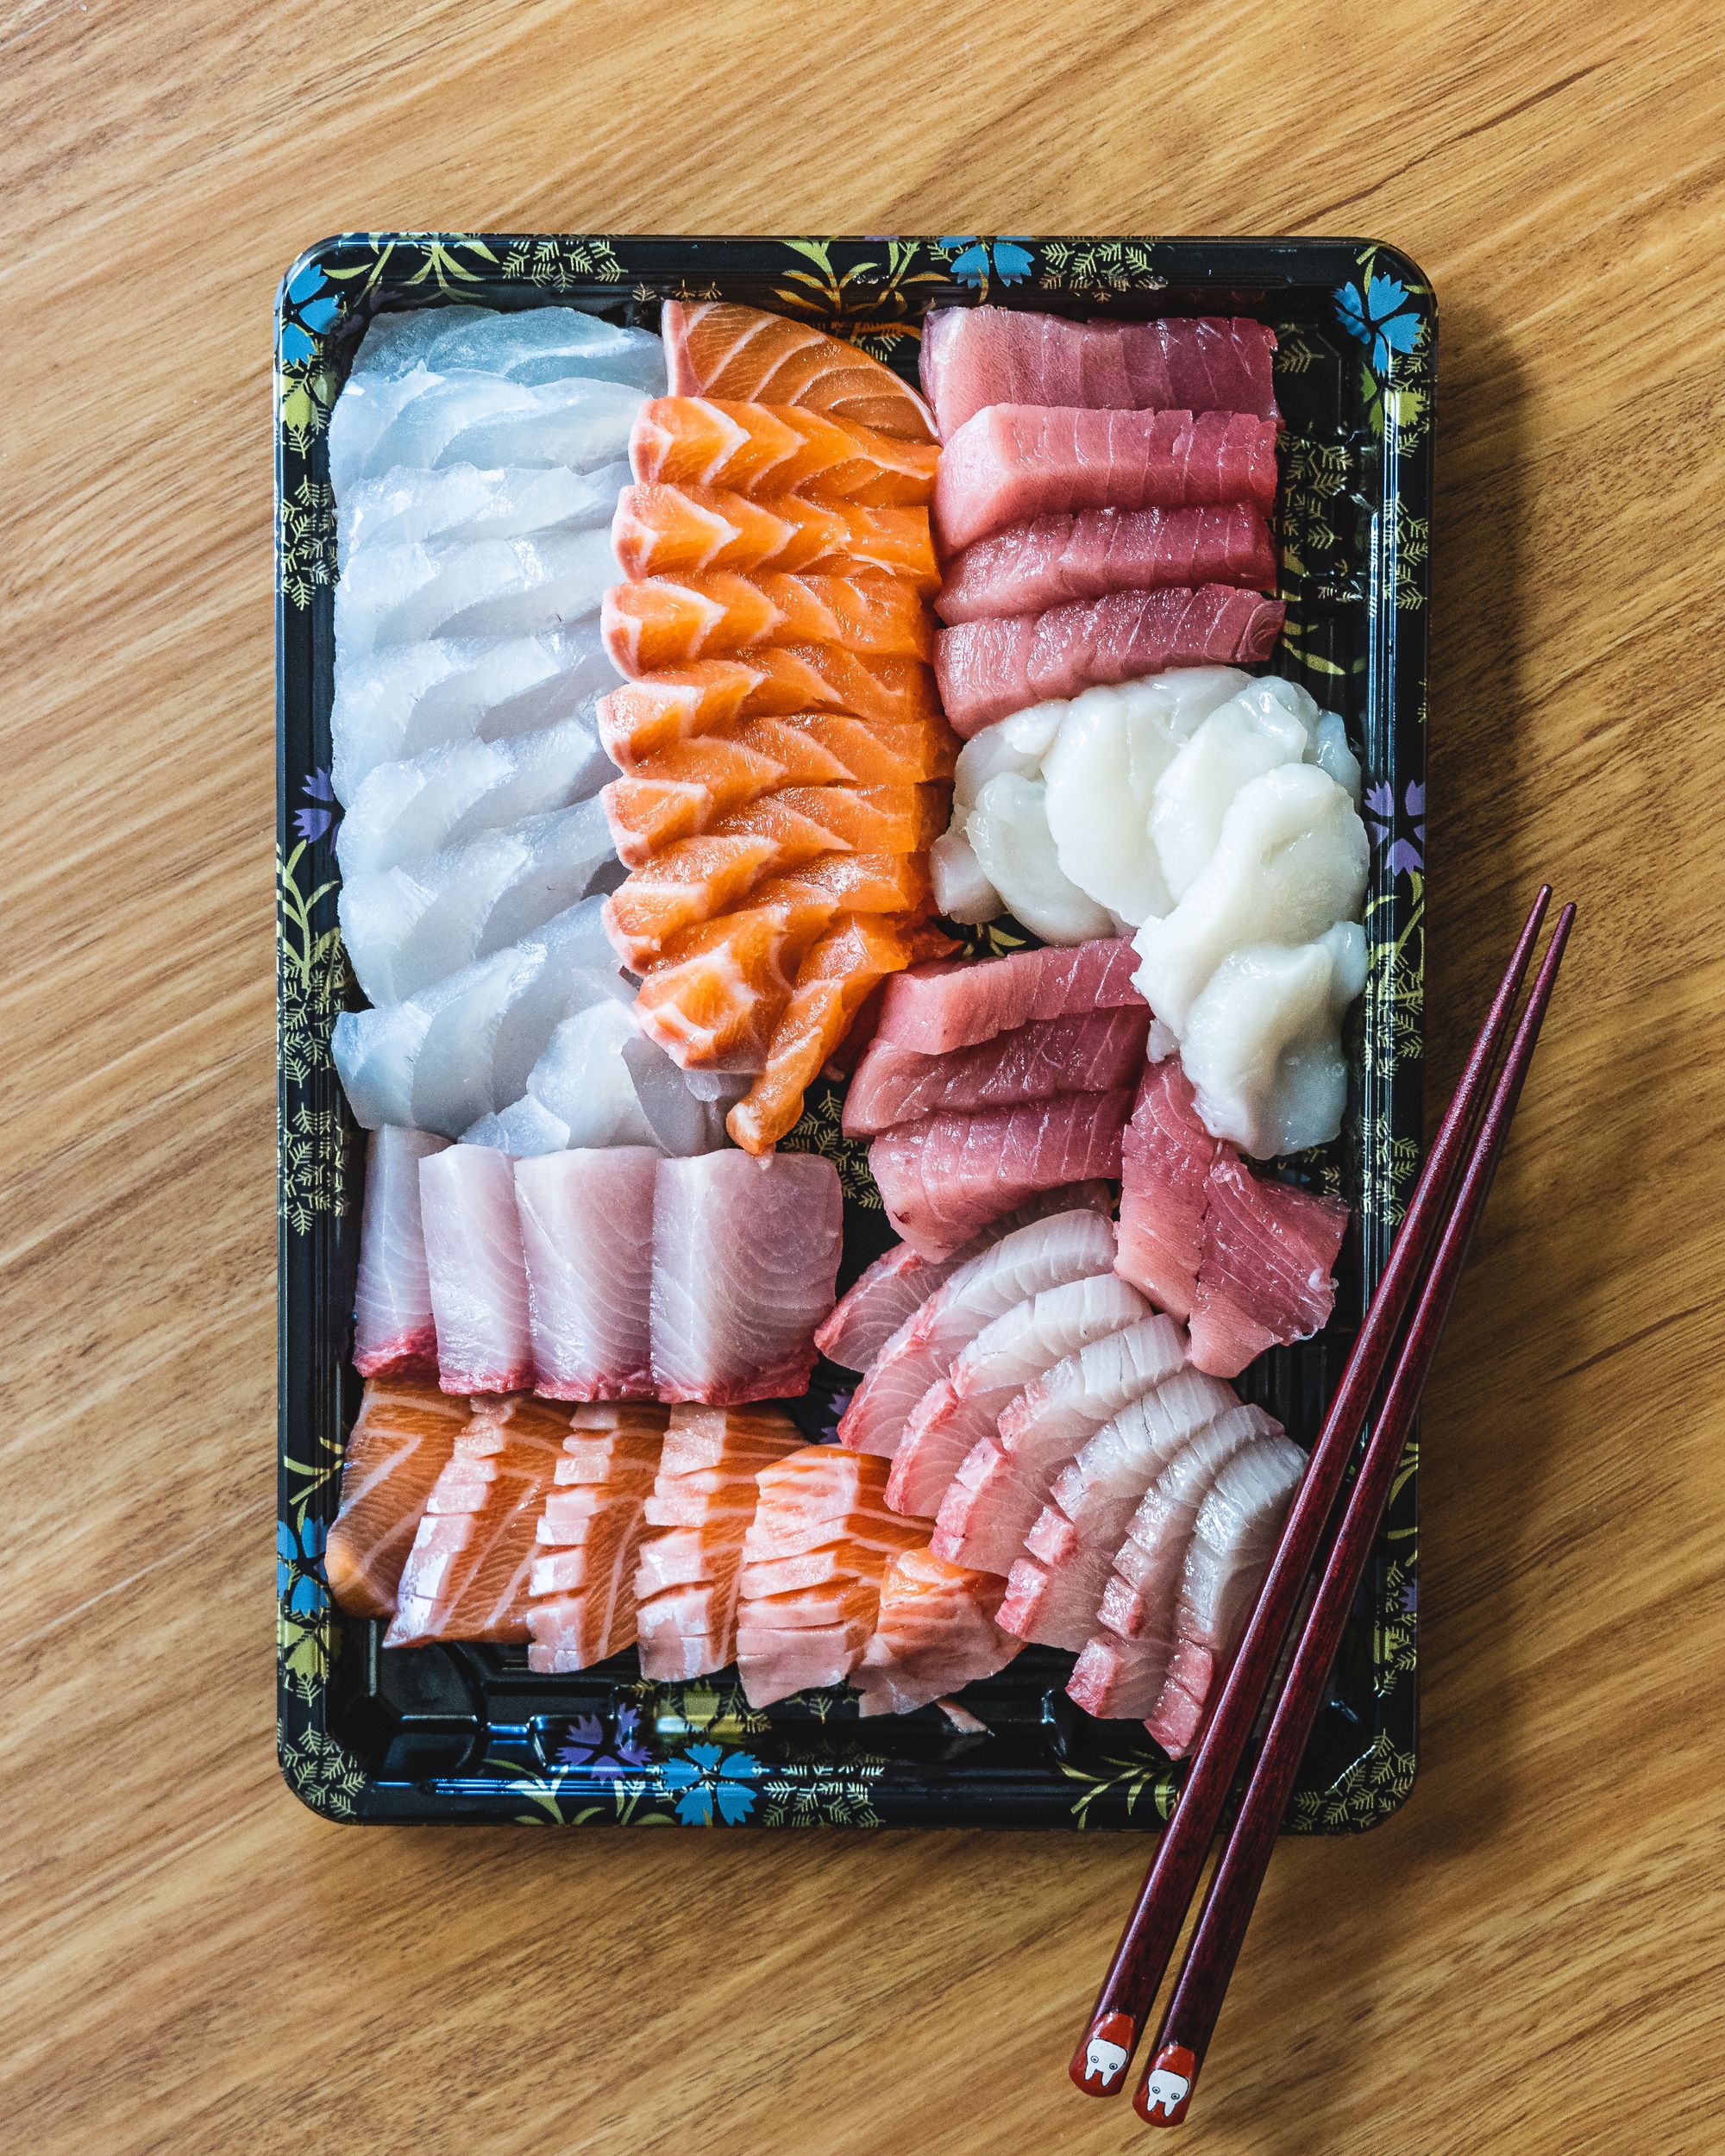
587 1234
470 588
402 811
987 669
466 1575
588 1537
661 621
1052 560
1166 1158
934 1634
992 1500
405 927
601 1082
766 451
1266 1276
745 1255
1013 1266
716 348
463 503
397 703
1235 1537
972 357
1087 1052
942 1179
403 1436
661 531
1010 463
683 704
538 343
477 1274
934 1009
900 1282
425 422
394 1330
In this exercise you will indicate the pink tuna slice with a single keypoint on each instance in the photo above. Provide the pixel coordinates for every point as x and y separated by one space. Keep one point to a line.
1239 1525
745 1254
1053 561
1010 463
394 1329
1091 1051
1003 1358
899 1283
476 1272
952 1003
942 1179
988 669
1166 1157
995 1497
586 1229
1266 1272
1044 1254
934 1634
972 357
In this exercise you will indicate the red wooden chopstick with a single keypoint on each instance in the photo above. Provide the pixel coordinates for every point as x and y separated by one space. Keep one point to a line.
1098 2066
1165 2091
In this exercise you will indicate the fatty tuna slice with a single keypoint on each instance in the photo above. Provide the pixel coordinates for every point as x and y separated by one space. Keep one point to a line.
586 1231
933 1010
1095 1051
1166 1158
1054 561
399 1444
394 1328
1266 1274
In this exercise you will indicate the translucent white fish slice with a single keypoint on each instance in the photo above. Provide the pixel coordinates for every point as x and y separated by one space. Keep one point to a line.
402 507
440 420
578 968
364 412
401 700
470 588
610 1086
377 1052
523 1129
532 344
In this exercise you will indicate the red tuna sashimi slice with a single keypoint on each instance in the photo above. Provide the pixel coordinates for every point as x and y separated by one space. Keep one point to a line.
582 1581
1010 463
934 1009
1238 1528
972 357
898 1283
1092 1051
994 1499
1003 1358
401 1441
661 530
394 1329
586 1231
764 450
476 1270
988 669
1023 1262
664 621
942 1179
1053 561
1166 1158
466 1575
718 349
1265 1275
644 717
1056 1592
934 1634
745 1254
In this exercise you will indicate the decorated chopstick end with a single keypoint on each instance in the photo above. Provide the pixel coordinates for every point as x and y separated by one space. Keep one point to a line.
1166 2088
1099 2063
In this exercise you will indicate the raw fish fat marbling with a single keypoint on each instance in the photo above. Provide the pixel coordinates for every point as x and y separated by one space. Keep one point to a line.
660 530
716 348
400 1442
1052 560
760 450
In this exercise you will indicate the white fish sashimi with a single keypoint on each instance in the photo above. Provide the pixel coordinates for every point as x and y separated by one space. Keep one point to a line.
470 588
395 703
1263 1044
406 927
532 344
404 810
477 1272
424 421
586 1226
403 507
393 1324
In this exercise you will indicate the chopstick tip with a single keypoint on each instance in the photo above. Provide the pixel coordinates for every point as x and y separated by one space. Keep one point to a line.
1098 2065
1166 2087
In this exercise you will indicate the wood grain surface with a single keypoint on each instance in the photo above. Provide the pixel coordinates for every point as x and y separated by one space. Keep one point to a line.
1528 1957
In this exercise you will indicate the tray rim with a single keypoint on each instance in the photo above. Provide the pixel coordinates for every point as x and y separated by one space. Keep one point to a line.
1383 301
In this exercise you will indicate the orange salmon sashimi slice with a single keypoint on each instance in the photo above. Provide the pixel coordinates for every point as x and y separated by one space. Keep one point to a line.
758 450
836 978
661 531
715 348
663 620
642 717
687 787
401 1443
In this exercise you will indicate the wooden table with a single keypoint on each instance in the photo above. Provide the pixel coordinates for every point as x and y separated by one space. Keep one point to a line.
1528 1957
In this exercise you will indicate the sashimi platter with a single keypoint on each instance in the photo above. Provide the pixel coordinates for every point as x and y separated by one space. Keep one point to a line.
850 892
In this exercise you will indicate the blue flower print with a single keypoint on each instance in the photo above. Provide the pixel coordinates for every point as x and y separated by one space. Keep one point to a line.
976 259
312 823
306 313
704 1776
583 1745
299 1566
1405 853
1376 317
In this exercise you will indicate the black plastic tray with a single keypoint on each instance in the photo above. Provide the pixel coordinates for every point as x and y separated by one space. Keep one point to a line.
467 1733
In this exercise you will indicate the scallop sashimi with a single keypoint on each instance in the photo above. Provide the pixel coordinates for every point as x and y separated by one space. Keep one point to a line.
1052 560
760 450
645 716
934 1634
477 1272
661 531
716 348
394 1329
402 1438
1095 1051
661 621
530 344
588 1538
586 1233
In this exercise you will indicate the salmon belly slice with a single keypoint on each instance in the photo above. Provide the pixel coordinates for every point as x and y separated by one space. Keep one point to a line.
583 1579
663 620
765 452
662 530
716 347
403 1439
678 704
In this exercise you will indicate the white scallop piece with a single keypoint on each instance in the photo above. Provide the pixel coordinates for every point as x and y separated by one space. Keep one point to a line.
1007 829
1267 724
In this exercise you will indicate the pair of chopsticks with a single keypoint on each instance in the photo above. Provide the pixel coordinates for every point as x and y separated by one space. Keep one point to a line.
1424 1267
